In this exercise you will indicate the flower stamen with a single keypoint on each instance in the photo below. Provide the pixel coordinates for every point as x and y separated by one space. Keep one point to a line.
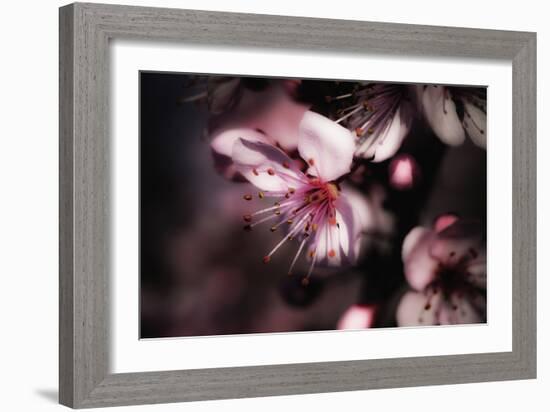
297 255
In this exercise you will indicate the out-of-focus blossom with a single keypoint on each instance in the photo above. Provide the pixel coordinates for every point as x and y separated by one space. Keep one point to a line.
270 115
222 148
223 93
357 317
313 208
404 172
380 115
446 269
453 112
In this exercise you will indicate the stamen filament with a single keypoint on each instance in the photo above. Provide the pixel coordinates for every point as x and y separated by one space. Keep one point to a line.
347 109
341 119
269 209
342 96
302 244
265 219
292 232
305 280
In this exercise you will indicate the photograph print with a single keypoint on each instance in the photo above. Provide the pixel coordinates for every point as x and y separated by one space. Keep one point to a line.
289 205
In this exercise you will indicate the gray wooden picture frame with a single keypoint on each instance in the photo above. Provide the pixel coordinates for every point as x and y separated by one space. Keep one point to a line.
85 31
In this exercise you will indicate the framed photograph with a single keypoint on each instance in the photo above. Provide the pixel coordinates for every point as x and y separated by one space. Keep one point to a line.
257 205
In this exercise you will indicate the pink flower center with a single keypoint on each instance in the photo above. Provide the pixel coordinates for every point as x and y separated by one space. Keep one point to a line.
452 282
303 212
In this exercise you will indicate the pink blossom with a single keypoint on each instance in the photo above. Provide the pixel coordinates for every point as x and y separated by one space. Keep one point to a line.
446 270
404 172
454 112
270 116
326 219
357 317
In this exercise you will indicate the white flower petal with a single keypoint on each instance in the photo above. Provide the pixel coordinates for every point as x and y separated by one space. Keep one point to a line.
321 243
416 309
460 241
355 216
412 311
326 146
328 246
411 240
387 143
343 235
475 123
477 269
462 311
222 142
334 251
266 166
419 265
440 112
222 148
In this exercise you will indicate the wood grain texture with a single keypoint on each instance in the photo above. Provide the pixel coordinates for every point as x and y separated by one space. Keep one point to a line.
85 31
66 183
524 125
